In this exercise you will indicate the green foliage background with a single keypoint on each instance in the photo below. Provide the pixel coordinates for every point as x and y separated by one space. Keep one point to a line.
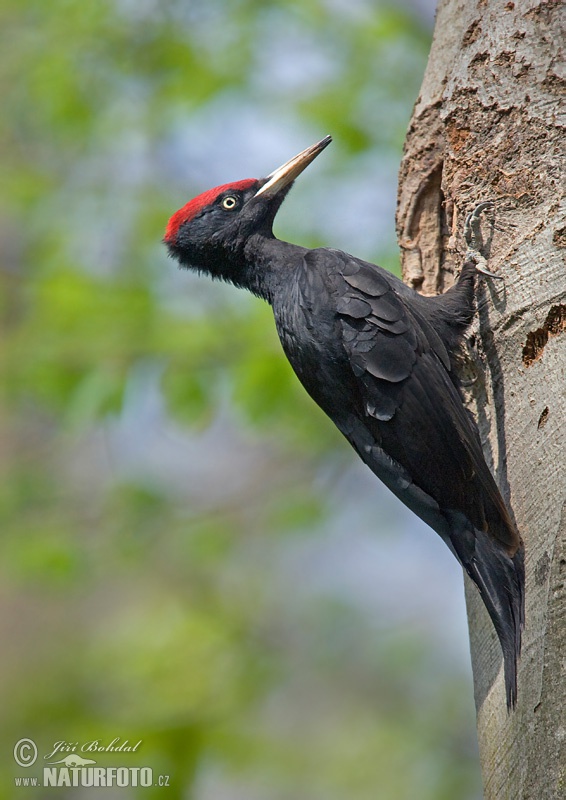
139 606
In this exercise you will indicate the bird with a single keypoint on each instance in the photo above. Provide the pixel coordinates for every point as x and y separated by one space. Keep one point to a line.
380 360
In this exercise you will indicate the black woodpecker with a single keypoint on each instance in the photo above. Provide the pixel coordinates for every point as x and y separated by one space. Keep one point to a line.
378 358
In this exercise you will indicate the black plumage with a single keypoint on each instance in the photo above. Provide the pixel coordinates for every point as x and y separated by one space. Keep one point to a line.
377 357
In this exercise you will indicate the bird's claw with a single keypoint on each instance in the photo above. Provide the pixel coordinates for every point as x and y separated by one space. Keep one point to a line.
480 263
473 237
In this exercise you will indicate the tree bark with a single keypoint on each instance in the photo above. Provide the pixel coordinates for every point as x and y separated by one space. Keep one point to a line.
486 126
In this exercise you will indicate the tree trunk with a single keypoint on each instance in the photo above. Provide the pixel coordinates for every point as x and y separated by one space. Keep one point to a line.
486 127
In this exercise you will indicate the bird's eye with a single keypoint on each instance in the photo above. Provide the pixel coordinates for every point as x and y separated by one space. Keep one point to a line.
229 203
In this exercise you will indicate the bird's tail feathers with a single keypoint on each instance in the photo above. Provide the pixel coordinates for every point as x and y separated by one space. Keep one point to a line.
500 579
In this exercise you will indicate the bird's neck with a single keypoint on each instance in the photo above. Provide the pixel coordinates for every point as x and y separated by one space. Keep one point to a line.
267 264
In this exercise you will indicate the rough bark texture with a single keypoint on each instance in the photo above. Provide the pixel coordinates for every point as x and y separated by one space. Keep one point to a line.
487 126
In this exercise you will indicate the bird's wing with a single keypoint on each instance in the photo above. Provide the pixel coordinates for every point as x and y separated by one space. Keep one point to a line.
404 415
411 403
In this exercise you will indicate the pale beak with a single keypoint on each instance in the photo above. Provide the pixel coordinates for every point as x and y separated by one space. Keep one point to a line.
286 174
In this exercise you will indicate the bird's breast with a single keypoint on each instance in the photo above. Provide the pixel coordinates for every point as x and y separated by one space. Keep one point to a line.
308 327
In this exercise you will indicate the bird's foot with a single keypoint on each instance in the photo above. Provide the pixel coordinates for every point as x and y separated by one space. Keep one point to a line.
473 237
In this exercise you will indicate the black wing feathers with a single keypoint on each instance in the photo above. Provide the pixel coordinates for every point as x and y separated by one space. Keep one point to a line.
448 444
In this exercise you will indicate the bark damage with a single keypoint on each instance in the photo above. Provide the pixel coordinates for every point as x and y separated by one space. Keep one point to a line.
487 126
537 340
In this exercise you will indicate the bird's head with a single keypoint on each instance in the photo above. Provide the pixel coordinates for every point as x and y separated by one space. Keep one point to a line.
210 233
